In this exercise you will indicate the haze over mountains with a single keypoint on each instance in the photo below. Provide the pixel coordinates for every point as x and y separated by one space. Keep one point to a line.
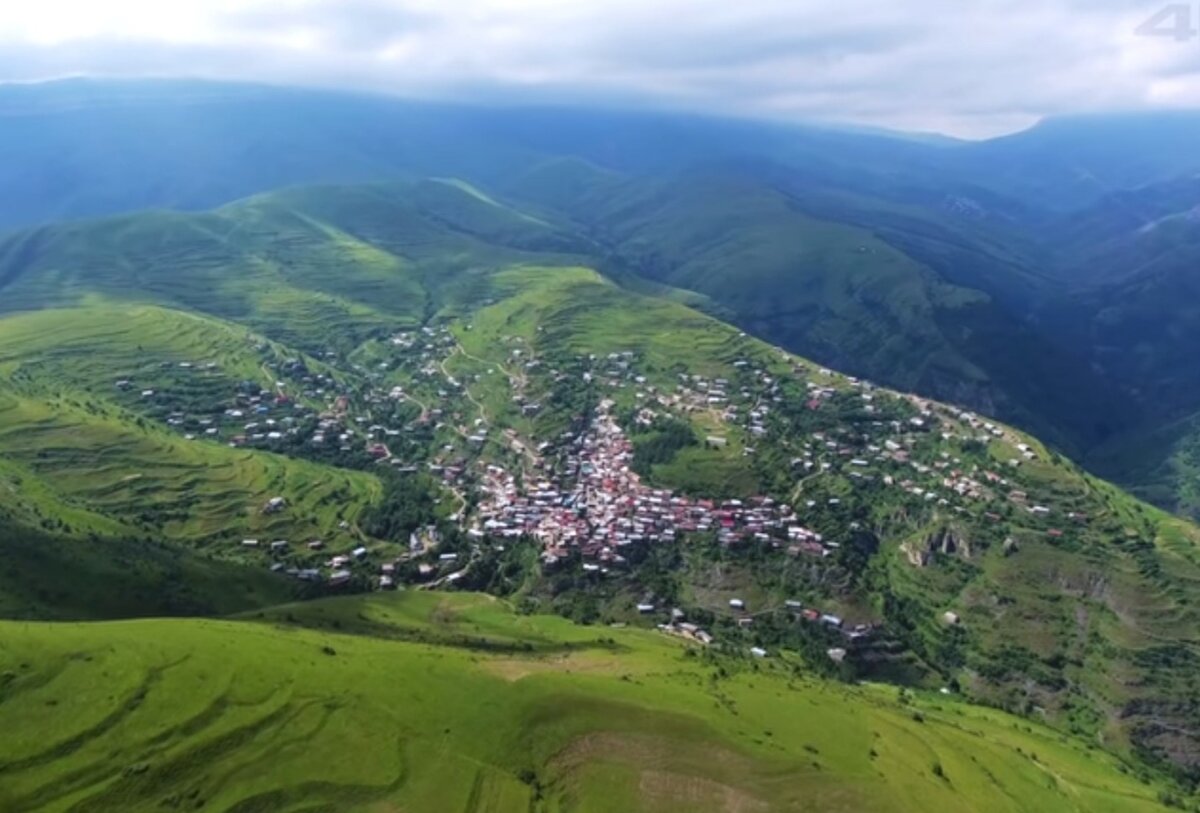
1041 277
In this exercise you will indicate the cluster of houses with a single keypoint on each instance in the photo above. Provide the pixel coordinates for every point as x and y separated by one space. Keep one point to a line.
599 506
581 497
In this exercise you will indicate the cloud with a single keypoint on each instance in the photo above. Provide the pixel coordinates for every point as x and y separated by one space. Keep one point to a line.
971 68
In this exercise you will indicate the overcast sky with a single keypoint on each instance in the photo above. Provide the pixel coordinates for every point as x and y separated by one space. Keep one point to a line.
968 67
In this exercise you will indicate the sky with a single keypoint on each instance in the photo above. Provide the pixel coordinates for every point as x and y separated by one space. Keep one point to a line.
971 68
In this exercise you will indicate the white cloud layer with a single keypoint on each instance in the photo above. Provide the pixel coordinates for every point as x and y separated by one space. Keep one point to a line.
970 67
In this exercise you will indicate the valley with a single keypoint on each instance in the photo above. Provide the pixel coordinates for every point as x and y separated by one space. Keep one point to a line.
436 458
535 429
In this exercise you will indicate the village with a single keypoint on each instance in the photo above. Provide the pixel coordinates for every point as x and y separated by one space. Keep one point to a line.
577 495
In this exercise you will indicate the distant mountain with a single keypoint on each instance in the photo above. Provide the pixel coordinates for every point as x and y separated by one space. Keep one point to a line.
1041 276
83 147
907 296
1069 162
288 393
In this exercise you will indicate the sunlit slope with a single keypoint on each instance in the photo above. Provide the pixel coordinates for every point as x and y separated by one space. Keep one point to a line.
311 267
922 311
454 704
1089 622
81 460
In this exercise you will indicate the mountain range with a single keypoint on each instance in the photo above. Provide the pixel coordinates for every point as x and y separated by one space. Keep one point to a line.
261 347
1031 276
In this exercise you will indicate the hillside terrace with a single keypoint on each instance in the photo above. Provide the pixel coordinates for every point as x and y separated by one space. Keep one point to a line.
589 498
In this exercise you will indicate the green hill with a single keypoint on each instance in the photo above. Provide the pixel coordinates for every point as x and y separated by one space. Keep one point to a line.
110 513
899 293
51 575
431 702
964 271
427 331
85 459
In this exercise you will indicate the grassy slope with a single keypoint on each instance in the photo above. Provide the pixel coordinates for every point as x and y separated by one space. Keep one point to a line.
55 576
454 704
1091 624
401 251
897 295
559 311
1159 463
83 462
267 270
578 311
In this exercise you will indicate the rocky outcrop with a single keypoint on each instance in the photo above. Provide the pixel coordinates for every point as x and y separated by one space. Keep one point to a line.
946 540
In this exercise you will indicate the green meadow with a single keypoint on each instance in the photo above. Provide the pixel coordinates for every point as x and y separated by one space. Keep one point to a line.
432 702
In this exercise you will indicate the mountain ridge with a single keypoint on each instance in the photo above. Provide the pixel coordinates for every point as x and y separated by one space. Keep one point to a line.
1064 590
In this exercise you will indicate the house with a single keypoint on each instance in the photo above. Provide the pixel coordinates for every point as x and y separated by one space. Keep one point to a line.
758 652
737 604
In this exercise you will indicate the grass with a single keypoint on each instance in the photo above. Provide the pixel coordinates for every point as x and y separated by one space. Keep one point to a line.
54 576
84 462
1160 464
561 312
261 715
1092 629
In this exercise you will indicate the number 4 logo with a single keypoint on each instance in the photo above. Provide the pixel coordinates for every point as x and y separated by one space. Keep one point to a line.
1173 20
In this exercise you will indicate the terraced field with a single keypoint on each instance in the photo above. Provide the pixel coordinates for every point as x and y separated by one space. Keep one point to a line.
86 463
558 311
450 703
1086 620
148 478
